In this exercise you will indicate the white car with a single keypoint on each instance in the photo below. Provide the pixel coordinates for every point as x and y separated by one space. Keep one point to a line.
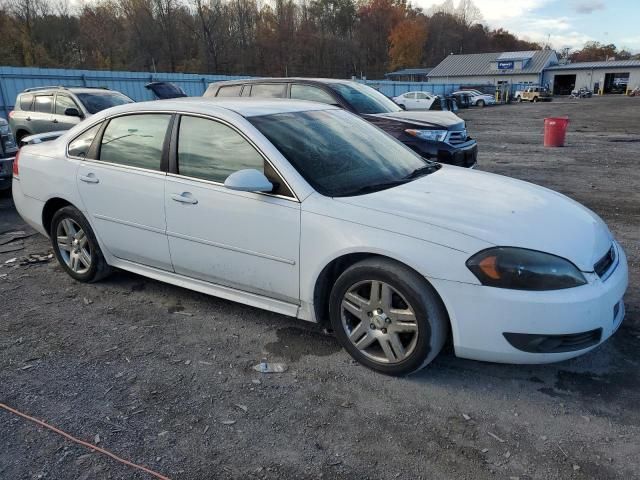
415 100
307 210
478 98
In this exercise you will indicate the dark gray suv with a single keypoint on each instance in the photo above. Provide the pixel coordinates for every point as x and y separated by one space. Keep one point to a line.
48 109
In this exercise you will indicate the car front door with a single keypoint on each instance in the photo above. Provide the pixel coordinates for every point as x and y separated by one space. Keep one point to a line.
243 240
123 188
423 101
60 119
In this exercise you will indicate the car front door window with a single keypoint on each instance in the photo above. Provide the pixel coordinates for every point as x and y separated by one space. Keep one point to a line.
212 151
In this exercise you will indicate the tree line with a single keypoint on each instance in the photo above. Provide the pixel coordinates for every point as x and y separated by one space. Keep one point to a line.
332 38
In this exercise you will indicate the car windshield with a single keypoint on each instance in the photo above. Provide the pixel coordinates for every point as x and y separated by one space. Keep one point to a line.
364 99
340 154
95 102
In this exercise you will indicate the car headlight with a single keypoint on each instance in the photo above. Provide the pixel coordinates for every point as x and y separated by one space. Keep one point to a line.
432 135
523 269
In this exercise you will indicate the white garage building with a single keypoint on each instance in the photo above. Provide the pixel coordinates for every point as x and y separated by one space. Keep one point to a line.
599 77
494 68
539 67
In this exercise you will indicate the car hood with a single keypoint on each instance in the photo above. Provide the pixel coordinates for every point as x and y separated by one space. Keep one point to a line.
432 119
499 210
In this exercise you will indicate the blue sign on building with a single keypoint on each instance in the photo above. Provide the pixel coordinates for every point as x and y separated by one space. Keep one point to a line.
505 65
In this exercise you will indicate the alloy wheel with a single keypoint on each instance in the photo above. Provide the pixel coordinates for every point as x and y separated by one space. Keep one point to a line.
73 246
379 321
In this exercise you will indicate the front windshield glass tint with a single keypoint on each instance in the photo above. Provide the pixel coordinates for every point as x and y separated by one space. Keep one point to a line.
364 99
97 101
338 153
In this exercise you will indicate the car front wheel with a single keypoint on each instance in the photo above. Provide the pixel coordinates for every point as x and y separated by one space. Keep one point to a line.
387 316
75 246
480 103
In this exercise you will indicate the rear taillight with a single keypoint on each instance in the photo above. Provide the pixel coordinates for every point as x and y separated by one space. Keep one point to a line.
15 164
11 113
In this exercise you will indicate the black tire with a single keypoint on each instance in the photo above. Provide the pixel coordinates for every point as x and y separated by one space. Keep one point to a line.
19 136
519 99
535 100
99 268
430 313
480 103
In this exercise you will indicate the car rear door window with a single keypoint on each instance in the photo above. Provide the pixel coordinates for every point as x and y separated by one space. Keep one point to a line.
269 90
44 103
311 93
135 140
63 102
211 150
26 102
79 146
229 91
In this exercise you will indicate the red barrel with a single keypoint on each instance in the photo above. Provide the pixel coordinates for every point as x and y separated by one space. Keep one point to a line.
555 131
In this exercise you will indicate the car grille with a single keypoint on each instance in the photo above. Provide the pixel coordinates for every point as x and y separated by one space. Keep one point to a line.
603 265
457 137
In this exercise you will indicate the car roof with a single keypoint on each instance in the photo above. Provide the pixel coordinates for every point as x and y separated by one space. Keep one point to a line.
246 107
283 79
35 90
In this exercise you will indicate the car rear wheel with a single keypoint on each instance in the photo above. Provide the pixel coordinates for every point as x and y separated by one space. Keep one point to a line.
387 316
75 246
535 100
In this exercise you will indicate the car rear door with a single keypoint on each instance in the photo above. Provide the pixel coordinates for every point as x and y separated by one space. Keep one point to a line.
243 240
123 188
42 115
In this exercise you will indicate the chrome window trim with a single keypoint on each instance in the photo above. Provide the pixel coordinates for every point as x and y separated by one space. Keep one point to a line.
174 175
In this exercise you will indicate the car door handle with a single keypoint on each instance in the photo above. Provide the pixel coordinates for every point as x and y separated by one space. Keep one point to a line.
91 178
184 197
28 119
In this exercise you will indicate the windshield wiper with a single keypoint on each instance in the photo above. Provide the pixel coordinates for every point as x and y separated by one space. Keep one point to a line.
425 170
376 187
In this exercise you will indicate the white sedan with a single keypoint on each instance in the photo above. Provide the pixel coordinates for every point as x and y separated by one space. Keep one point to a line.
307 210
415 100
478 98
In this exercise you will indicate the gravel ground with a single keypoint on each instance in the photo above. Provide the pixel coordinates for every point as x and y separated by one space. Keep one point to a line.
162 376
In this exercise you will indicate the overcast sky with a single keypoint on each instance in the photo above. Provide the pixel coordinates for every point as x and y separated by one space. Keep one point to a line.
565 23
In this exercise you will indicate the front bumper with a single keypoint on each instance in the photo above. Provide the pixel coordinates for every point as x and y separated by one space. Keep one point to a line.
461 155
480 316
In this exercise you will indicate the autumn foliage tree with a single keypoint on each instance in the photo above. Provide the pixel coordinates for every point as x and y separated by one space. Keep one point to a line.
407 41
328 38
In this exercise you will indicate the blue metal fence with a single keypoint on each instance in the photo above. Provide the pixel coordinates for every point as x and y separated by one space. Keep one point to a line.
15 79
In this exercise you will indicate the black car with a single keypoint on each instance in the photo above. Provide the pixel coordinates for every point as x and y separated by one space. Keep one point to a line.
8 149
436 135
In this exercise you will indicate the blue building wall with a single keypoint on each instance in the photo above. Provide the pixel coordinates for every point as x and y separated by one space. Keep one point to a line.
15 79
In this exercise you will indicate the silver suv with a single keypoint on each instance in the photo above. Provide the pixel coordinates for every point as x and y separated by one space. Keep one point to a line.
47 109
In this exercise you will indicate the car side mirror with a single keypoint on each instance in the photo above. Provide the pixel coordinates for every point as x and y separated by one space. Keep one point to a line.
72 112
248 180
